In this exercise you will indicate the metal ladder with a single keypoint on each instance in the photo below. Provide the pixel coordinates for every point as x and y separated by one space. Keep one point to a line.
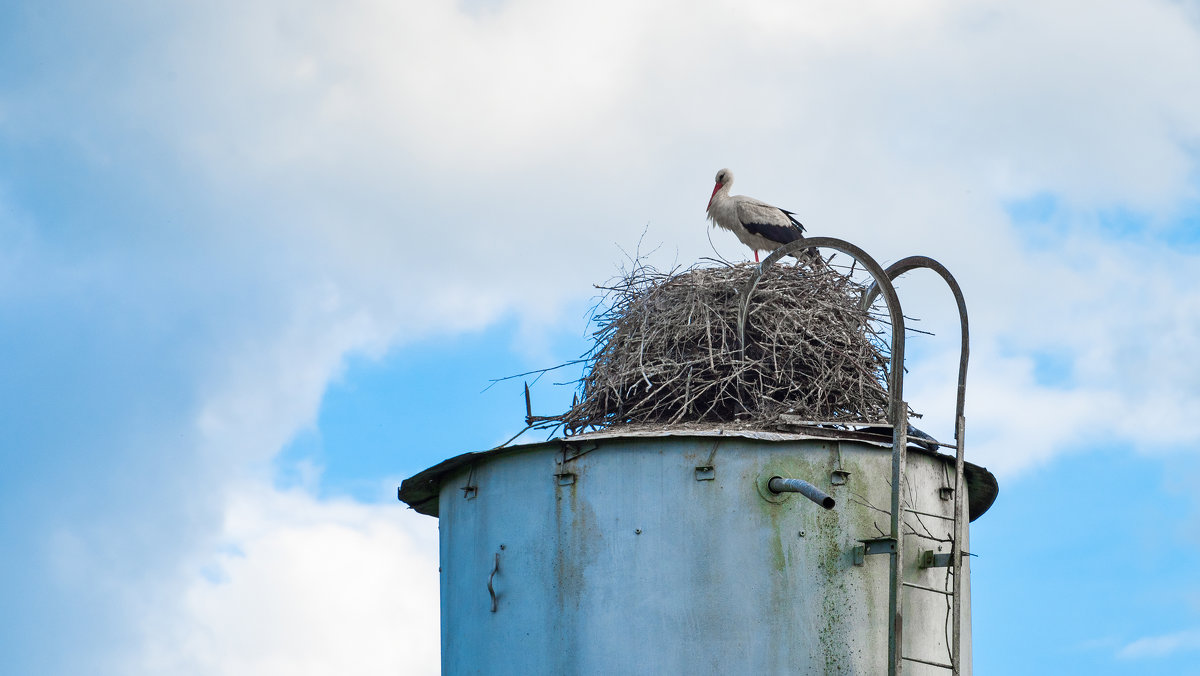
898 417
929 559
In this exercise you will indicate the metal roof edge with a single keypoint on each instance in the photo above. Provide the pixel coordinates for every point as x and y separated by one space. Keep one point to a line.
421 490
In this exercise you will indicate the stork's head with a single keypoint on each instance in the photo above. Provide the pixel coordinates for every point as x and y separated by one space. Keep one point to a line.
724 179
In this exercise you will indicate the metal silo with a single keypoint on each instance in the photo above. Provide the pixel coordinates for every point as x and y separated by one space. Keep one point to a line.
690 551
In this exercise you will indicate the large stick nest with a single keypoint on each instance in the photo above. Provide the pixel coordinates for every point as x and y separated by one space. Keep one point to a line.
667 350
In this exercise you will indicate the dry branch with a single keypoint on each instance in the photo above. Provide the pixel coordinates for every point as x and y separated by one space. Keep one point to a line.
666 350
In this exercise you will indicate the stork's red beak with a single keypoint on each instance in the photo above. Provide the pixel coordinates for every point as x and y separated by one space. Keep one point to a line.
714 194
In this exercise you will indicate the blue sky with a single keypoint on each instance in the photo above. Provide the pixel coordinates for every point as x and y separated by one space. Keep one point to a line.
259 263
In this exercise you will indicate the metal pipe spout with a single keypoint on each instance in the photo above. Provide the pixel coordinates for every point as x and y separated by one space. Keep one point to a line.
782 485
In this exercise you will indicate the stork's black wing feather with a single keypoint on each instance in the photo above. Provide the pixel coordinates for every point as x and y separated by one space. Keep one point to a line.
766 220
776 233
792 217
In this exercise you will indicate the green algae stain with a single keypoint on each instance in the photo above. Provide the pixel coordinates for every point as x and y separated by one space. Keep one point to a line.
812 549
818 539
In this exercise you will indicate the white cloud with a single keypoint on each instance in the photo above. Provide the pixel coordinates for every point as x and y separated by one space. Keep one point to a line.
1165 645
303 586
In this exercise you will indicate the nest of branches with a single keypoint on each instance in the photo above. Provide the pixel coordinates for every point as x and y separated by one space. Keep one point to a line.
667 350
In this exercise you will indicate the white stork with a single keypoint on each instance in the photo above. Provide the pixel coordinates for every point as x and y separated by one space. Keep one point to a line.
758 225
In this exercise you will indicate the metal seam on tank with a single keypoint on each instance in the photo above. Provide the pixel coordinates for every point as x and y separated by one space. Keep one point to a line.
835 602
567 565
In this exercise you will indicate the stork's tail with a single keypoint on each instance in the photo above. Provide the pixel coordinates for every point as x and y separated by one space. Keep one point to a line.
810 257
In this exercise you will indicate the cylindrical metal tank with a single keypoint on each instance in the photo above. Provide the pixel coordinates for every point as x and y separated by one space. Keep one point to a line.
666 553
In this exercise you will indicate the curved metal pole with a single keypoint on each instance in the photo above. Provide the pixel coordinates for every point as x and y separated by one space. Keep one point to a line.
897 413
893 271
912 263
882 282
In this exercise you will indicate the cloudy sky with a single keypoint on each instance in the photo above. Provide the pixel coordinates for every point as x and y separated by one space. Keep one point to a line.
258 262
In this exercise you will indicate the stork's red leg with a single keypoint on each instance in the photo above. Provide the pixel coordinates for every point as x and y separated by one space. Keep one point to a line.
756 255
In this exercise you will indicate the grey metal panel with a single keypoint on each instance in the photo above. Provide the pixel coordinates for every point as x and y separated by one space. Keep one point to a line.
421 490
634 566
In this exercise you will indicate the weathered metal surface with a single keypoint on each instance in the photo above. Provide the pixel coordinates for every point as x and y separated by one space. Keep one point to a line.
637 567
420 491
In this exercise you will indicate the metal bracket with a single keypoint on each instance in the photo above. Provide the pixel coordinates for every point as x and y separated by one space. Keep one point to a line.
565 479
946 493
469 492
839 477
884 545
706 473
932 559
571 451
